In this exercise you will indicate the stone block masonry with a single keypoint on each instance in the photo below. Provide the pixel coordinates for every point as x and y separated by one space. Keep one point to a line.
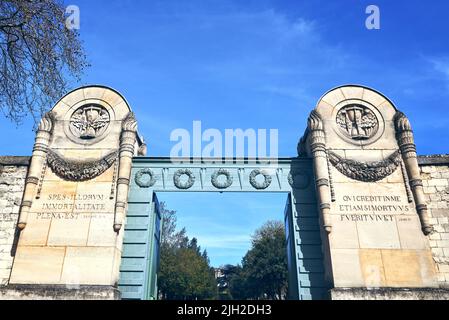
13 172
434 172
435 175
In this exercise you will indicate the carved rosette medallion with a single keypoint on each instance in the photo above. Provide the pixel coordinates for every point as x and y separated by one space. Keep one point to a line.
268 179
219 184
89 122
187 184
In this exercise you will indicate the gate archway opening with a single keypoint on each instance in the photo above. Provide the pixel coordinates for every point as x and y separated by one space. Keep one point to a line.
217 229
290 176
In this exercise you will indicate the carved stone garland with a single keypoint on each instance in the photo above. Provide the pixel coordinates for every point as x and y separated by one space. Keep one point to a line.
366 171
222 185
260 186
186 185
148 182
77 171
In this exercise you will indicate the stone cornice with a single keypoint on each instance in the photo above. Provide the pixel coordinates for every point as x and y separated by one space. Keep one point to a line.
425 160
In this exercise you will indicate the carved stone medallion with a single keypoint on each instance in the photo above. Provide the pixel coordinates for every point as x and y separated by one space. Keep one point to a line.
89 122
357 122
187 184
222 184
267 179
145 178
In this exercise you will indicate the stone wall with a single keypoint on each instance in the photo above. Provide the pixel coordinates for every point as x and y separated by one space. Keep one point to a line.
434 171
435 175
13 171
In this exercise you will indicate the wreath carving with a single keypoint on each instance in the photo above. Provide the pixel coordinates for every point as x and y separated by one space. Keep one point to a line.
184 185
72 170
222 185
366 171
145 183
260 186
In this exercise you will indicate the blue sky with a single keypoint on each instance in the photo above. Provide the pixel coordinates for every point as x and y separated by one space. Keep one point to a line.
224 223
260 64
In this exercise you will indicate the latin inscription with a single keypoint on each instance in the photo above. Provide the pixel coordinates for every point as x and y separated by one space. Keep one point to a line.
367 217
70 216
72 206
371 208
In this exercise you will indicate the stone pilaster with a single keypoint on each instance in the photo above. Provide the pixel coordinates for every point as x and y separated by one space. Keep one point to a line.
406 141
318 150
37 163
127 146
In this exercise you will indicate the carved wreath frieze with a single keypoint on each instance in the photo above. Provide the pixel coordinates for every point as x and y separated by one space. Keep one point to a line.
224 184
145 178
366 171
258 185
78 171
184 185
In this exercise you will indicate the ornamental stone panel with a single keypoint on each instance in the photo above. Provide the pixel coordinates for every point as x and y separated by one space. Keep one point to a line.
370 193
74 201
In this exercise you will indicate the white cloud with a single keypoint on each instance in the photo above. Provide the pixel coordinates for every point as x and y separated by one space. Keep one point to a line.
441 65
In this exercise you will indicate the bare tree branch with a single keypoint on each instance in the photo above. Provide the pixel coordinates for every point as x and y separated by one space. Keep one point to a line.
39 57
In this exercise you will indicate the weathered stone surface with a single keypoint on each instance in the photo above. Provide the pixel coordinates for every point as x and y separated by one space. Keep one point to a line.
37 265
435 174
37 292
388 294
13 171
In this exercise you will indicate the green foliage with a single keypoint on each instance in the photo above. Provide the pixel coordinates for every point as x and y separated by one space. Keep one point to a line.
264 271
185 273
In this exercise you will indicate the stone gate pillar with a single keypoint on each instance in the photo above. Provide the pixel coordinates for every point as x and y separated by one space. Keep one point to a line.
72 214
370 194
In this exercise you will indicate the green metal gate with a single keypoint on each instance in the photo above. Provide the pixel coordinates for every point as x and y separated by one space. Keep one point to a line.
140 258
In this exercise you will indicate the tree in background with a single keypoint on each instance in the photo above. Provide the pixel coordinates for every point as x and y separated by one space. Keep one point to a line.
185 272
38 56
264 271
